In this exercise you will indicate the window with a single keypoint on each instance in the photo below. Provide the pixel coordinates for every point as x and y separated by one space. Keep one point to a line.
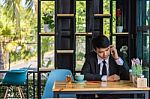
80 28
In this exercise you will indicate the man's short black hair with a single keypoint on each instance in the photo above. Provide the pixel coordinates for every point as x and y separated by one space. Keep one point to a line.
100 41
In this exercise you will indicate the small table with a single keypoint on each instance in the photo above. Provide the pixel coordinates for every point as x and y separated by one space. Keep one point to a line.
97 87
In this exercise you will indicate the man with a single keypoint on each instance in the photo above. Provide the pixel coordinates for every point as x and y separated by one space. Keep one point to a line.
104 64
106 55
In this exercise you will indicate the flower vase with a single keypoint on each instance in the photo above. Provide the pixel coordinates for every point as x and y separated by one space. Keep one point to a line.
46 28
119 29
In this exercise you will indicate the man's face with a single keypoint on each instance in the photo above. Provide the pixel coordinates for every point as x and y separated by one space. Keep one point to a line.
103 52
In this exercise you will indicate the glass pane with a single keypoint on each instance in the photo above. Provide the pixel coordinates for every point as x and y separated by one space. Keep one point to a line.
80 16
146 48
80 27
80 52
114 17
143 34
48 15
106 6
106 22
146 35
106 26
47 52
148 13
114 40
18 36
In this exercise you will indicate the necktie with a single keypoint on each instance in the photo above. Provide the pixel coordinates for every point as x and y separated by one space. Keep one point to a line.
104 69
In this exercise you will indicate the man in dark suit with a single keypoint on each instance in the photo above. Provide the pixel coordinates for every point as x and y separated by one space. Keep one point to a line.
104 63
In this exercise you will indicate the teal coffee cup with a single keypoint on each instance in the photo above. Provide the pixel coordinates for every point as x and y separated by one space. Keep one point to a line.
79 77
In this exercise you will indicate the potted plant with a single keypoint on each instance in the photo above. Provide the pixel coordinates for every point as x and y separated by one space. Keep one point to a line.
118 15
48 21
136 69
137 73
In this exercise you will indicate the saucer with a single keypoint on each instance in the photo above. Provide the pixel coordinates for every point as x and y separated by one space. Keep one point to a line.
83 81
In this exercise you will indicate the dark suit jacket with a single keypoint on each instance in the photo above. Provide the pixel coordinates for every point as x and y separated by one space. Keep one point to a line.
91 69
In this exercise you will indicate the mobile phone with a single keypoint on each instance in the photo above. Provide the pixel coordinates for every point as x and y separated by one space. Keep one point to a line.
111 50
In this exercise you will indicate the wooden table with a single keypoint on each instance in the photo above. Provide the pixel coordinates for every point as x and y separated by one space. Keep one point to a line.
97 87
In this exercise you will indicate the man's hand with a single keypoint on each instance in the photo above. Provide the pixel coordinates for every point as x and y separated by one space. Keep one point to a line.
116 77
113 78
110 78
113 51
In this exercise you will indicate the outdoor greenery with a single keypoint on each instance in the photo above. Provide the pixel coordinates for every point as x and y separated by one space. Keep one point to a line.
47 42
106 22
80 16
48 19
80 27
18 28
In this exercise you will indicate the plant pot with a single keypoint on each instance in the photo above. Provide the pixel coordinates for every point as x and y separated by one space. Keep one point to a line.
46 28
119 29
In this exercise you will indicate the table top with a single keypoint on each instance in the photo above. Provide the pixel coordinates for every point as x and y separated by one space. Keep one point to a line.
96 86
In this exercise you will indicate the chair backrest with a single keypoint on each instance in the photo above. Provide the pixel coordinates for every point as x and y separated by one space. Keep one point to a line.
55 75
15 77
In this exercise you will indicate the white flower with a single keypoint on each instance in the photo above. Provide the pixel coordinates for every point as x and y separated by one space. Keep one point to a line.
124 49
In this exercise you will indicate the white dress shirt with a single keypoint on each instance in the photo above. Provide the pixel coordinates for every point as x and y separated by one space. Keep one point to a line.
119 61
